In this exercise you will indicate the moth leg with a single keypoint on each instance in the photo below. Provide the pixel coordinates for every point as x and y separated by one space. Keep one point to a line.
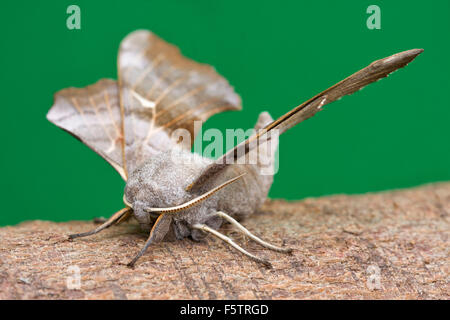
113 219
99 220
251 235
159 230
124 218
205 228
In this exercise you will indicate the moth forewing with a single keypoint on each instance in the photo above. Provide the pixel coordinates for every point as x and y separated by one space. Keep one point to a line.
374 72
160 91
92 115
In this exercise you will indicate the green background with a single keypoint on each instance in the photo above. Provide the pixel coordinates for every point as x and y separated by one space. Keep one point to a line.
393 134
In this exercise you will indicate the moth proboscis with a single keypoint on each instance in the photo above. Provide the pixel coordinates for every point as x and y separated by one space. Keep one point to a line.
130 123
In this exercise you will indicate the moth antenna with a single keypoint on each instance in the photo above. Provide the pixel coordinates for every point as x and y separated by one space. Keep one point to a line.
112 220
194 201
128 204
205 228
251 235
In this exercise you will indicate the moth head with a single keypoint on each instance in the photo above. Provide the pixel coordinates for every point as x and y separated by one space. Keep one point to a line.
159 220
188 204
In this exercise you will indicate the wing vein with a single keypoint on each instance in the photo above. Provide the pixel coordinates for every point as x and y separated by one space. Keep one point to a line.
180 117
180 99
158 81
102 123
108 105
147 70
78 109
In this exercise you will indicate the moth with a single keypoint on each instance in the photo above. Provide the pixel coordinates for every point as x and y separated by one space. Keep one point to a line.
172 192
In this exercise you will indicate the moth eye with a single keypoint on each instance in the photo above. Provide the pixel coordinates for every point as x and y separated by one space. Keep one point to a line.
214 221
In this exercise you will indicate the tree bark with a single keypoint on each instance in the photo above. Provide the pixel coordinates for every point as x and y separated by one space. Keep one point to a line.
389 245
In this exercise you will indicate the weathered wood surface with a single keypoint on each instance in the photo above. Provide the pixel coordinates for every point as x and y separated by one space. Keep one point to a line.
340 243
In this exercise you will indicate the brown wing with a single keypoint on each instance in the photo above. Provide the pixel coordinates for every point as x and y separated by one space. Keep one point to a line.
374 72
160 91
92 114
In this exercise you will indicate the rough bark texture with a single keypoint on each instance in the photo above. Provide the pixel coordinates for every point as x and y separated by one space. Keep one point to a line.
340 242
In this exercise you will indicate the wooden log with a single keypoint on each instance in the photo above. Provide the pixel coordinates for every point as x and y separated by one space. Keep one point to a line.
389 245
